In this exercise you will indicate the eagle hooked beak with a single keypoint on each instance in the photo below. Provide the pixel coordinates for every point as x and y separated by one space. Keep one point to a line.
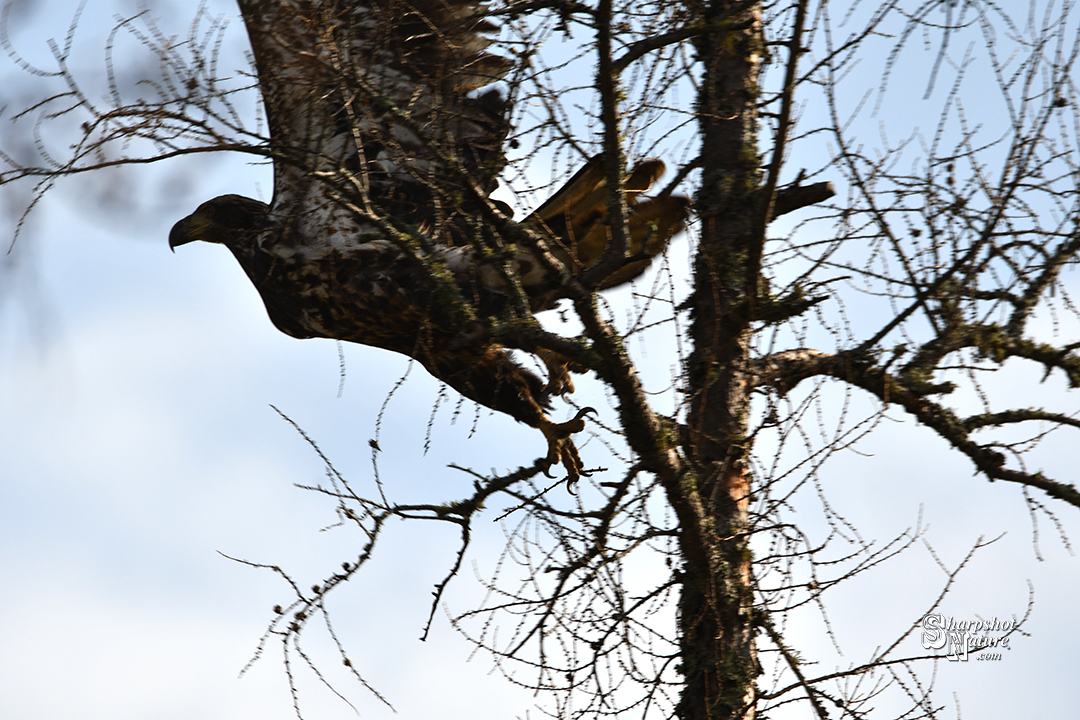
224 220
187 230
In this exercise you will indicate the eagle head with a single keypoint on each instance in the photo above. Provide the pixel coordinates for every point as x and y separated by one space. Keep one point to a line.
224 220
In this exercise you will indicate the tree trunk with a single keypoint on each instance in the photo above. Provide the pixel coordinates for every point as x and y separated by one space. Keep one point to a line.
716 609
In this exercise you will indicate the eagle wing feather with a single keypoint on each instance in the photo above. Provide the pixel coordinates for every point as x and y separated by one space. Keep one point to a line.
362 98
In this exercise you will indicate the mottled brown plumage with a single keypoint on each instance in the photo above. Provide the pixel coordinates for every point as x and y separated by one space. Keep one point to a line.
383 157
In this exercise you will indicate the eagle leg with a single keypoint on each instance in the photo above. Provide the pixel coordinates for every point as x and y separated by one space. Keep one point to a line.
491 377
559 368
561 448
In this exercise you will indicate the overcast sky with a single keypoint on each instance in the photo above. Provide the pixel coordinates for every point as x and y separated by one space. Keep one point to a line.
138 445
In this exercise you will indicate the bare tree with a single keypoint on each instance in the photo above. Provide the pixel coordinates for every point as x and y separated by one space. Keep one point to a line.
923 267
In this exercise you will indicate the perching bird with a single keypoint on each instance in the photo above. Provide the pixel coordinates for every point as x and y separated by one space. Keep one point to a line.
380 230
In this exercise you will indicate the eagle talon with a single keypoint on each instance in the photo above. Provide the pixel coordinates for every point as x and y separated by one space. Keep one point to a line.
559 368
561 448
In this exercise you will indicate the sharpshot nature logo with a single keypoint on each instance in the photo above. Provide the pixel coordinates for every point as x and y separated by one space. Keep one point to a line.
981 639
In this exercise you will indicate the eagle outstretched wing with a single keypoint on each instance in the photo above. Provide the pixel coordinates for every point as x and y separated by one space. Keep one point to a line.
385 148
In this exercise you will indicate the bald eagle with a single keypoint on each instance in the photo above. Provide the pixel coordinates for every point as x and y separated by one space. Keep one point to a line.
381 231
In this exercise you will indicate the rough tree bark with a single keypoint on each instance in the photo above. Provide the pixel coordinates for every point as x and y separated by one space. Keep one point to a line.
716 617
